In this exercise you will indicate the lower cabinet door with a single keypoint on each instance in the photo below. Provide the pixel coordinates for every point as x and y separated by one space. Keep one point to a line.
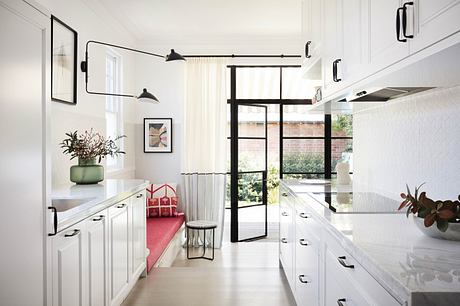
68 263
138 233
97 259
306 270
118 251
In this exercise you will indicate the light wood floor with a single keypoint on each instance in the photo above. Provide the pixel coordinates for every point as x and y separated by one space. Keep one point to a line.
242 274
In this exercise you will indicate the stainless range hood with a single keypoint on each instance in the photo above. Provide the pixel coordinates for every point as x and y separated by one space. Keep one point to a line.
383 94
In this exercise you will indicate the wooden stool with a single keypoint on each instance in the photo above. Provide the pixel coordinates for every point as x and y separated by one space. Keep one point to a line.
201 225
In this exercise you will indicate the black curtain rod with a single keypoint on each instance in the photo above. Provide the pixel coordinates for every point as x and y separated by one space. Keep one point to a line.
245 55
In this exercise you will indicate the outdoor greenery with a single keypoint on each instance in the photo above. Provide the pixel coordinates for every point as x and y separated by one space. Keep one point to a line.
303 162
343 123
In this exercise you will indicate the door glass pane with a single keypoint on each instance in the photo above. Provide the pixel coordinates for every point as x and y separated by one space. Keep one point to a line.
342 151
303 155
295 86
258 83
251 155
250 189
297 122
251 121
342 125
251 222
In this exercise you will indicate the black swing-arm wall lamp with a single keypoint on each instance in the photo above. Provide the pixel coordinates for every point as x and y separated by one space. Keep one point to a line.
145 95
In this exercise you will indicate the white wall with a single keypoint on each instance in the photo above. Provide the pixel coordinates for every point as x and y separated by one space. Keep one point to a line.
410 140
92 23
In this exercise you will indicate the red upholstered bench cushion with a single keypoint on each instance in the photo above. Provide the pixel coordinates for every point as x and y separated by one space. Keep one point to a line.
160 231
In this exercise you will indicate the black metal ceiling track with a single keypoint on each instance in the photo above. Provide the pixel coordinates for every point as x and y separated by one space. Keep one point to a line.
245 55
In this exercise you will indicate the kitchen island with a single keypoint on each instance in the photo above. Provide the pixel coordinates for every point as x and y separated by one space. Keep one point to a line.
358 256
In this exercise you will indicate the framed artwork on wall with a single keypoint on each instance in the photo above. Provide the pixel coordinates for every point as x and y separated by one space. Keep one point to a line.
157 135
64 42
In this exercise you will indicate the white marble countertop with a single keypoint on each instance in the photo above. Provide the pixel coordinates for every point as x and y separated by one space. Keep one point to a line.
94 198
413 267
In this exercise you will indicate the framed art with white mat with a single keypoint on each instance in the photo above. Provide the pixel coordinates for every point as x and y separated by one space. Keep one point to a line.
157 135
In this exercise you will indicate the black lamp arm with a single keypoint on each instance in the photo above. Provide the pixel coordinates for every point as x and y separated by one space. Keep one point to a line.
84 66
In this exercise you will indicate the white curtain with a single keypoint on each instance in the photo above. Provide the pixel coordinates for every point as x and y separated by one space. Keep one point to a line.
204 155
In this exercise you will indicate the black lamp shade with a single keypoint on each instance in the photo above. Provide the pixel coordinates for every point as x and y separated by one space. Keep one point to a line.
174 56
147 96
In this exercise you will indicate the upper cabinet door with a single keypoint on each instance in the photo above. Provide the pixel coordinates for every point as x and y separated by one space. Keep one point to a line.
385 46
434 21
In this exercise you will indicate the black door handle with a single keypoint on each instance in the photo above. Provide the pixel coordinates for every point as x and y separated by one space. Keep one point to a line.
304 242
334 70
283 240
55 221
341 302
284 214
120 205
307 49
304 215
398 25
302 280
342 261
284 194
74 233
98 218
404 20
139 196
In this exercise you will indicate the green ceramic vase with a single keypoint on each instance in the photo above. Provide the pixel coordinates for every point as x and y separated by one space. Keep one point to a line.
87 172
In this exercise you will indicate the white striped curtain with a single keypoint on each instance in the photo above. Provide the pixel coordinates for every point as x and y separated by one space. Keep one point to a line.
204 154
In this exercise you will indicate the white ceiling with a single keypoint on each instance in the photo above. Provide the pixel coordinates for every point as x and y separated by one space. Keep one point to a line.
206 22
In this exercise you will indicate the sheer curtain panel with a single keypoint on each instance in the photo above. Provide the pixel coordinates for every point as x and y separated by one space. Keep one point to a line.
204 155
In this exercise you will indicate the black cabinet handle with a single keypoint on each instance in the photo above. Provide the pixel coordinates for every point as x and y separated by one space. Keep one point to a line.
55 221
74 233
99 218
334 70
284 194
307 49
120 205
304 242
284 214
341 302
283 240
302 280
342 261
404 20
304 215
139 196
398 25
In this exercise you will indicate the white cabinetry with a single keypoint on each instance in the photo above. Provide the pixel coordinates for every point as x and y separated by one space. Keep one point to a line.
97 258
312 38
118 254
97 261
287 237
434 21
68 266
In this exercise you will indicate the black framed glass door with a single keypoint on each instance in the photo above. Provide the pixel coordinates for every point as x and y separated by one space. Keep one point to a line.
249 158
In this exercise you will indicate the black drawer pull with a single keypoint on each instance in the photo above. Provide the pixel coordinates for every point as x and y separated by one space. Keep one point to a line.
139 196
334 70
283 240
398 25
55 221
98 218
284 214
304 215
341 302
307 49
404 20
304 242
302 280
120 205
74 233
284 194
342 261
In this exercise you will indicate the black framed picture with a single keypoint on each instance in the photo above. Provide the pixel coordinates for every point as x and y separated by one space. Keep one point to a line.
157 135
64 41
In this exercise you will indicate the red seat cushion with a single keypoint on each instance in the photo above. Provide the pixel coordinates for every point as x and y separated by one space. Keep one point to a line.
160 231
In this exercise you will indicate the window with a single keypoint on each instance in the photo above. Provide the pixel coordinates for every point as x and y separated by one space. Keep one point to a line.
113 106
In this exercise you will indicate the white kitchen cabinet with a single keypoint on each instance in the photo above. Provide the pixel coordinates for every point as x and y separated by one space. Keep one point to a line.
68 266
434 21
311 38
384 47
287 236
97 258
138 226
118 251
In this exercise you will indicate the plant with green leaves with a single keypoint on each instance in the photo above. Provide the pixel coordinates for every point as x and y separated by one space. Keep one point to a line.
90 145
440 212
